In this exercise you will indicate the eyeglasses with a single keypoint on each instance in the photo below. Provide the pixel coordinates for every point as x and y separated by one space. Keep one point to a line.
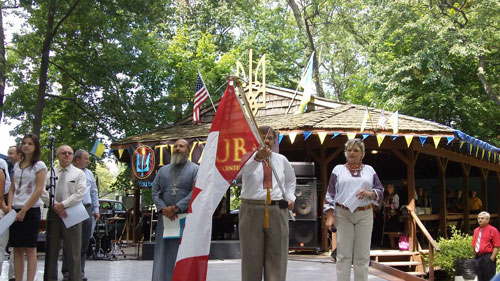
66 153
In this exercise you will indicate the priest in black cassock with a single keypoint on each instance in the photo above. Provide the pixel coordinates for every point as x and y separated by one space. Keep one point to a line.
172 188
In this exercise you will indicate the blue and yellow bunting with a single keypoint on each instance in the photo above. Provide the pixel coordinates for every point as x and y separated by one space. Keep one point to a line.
307 134
422 140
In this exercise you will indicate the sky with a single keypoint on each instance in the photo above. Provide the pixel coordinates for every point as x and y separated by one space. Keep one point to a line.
11 22
5 139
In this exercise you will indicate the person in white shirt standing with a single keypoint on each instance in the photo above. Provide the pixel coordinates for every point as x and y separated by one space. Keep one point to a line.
263 226
71 185
352 190
24 196
91 203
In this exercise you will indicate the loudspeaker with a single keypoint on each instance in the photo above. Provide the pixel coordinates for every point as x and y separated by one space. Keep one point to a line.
148 250
306 199
303 235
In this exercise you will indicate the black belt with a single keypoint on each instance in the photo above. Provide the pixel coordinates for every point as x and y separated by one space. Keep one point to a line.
87 205
483 254
263 202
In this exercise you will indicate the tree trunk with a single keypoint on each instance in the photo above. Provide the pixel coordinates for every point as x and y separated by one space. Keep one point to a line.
44 67
2 63
486 85
298 18
317 78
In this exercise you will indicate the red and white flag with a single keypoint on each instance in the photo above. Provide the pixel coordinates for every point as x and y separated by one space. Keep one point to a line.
229 144
200 96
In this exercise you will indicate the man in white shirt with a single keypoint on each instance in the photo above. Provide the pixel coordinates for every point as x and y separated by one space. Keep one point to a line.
70 188
264 241
91 203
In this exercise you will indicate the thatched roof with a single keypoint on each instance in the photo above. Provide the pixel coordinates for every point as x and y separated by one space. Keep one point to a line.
345 118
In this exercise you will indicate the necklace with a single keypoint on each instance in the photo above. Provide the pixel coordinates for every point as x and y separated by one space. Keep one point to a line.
355 170
174 180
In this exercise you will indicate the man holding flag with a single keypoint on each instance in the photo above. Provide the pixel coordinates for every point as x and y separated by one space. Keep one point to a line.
233 138
266 197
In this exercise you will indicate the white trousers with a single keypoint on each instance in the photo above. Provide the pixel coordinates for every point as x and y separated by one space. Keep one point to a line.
354 231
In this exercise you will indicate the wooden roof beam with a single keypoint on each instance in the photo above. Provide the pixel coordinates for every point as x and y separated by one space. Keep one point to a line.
454 156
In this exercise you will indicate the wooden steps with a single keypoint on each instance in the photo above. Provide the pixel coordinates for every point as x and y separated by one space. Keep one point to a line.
403 264
399 263
407 276
391 253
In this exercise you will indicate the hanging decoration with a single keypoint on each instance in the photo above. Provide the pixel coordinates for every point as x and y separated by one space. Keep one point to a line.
120 153
335 134
380 138
365 136
322 136
307 134
280 138
351 136
408 139
450 139
436 140
292 137
422 140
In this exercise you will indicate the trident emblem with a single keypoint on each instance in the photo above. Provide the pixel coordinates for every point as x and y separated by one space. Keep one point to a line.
140 166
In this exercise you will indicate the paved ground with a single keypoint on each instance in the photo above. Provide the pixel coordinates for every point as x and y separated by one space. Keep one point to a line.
300 268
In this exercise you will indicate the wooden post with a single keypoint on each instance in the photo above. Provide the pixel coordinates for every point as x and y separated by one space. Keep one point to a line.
431 262
410 159
324 181
137 203
323 161
443 212
410 168
484 188
465 178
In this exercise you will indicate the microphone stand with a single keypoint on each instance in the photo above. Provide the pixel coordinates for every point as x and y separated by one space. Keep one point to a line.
51 188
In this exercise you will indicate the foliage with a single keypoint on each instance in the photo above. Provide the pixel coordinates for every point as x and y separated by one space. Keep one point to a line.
235 197
120 69
123 181
458 246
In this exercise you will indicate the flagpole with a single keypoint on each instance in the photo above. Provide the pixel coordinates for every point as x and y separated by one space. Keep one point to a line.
301 77
254 128
201 77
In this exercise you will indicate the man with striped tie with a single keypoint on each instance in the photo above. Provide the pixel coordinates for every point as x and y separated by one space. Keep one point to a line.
486 241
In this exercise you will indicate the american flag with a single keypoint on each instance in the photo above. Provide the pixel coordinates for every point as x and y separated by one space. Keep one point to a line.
200 96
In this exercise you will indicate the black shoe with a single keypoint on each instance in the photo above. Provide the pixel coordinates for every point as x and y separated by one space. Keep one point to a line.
12 279
84 279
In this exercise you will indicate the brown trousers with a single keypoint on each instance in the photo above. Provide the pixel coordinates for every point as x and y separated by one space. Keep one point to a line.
264 252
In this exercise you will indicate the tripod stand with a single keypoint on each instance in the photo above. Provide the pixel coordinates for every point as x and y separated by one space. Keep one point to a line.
116 244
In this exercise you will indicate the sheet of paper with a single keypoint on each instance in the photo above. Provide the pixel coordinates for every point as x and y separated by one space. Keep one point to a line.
76 214
173 229
7 221
354 202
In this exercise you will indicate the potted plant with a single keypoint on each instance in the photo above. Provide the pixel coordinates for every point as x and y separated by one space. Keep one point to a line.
454 252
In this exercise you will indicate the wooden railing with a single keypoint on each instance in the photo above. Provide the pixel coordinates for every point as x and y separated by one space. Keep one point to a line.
432 244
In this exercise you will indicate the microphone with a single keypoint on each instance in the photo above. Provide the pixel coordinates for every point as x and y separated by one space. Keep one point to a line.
51 138
333 229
